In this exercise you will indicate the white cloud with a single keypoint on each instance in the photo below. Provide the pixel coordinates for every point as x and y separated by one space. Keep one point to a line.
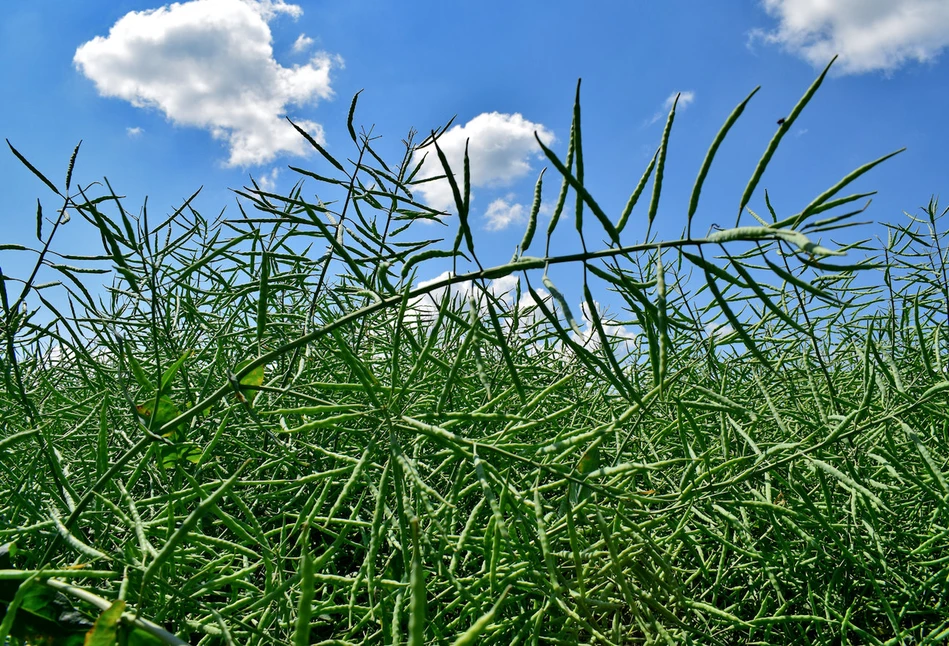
134 132
869 35
499 151
504 287
501 214
623 342
617 334
302 43
268 181
686 98
427 306
270 8
719 330
209 64
424 309
57 354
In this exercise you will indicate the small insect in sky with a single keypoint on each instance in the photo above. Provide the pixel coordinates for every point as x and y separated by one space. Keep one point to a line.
781 121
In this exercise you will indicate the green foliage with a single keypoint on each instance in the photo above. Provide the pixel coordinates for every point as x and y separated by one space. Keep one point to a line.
396 464
105 632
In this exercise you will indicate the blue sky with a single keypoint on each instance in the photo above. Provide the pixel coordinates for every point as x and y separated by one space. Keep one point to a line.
167 98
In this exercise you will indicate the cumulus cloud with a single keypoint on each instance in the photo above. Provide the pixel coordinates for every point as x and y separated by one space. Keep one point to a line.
302 43
502 213
500 149
869 35
686 98
209 64
134 132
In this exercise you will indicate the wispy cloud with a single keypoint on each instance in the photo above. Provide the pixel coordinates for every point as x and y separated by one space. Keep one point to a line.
134 132
869 35
686 98
209 64
500 149
302 43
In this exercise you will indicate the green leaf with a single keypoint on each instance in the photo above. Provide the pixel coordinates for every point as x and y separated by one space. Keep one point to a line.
158 413
41 615
106 629
254 378
10 612
169 456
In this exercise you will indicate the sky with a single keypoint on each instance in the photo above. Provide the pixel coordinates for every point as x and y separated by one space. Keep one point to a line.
170 97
